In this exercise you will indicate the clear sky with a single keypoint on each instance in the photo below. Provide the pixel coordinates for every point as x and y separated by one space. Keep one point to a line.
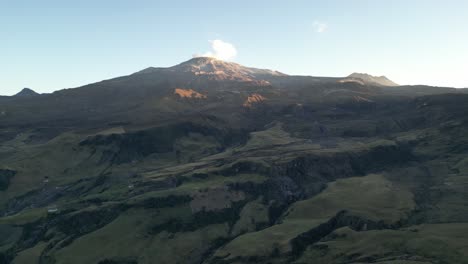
54 44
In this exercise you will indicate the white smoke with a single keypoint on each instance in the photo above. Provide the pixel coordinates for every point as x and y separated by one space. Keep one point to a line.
220 50
320 27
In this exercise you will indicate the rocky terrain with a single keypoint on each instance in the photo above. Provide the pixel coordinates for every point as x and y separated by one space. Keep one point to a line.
214 162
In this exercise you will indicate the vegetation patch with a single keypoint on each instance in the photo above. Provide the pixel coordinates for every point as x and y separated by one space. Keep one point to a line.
5 177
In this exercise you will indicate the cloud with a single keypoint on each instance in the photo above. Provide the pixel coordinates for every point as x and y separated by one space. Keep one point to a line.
220 50
320 27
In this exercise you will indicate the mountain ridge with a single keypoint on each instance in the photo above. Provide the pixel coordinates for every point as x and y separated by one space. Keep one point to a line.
220 70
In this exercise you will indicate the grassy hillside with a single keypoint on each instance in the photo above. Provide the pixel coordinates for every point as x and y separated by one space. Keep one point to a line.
315 172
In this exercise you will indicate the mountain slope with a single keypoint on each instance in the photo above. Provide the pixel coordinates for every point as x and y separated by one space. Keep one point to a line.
225 85
369 79
204 162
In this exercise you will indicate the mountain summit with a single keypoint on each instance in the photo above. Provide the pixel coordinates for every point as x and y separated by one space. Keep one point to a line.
26 92
367 78
212 66
215 69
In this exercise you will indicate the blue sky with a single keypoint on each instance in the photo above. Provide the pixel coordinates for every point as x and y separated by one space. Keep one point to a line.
54 44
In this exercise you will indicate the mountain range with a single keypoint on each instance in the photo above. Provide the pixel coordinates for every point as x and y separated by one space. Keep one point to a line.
213 162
